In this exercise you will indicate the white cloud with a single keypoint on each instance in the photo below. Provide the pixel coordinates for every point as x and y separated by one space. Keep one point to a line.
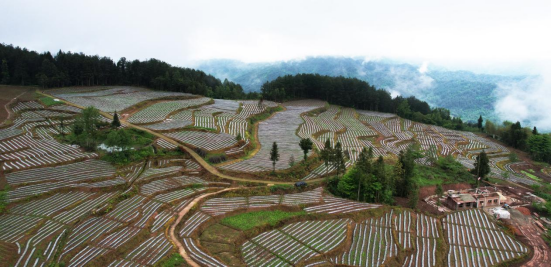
406 82
423 68
527 101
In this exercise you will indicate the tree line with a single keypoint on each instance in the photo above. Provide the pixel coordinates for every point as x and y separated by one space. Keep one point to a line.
20 66
523 138
355 93
370 180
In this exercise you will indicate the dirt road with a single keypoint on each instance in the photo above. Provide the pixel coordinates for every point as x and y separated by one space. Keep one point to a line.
7 107
175 239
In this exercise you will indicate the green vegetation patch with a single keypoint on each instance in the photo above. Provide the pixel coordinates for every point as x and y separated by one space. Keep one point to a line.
251 220
3 200
446 170
533 177
175 260
49 101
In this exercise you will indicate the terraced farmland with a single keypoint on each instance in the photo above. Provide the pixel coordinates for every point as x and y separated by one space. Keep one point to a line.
67 206
294 243
114 99
159 111
476 241
280 128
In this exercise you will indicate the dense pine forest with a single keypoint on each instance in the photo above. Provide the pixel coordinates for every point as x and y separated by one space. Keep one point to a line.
24 67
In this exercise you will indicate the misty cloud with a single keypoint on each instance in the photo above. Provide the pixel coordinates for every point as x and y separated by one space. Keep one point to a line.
408 82
527 101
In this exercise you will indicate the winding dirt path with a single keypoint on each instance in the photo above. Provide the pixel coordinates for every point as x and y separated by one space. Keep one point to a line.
172 229
7 107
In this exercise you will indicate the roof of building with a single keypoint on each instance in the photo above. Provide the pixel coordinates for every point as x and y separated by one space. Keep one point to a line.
463 198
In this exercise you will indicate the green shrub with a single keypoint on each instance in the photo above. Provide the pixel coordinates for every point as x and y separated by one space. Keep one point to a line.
281 187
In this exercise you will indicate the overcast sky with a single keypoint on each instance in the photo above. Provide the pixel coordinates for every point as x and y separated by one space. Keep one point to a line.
484 36
478 35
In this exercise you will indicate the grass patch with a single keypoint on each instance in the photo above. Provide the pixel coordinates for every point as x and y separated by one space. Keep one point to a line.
200 128
446 170
3 200
533 177
175 260
251 220
49 101
265 114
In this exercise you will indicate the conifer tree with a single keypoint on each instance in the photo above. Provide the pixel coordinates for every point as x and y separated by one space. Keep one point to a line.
480 123
481 167
274 156
115 123
326 154
338 159
306 146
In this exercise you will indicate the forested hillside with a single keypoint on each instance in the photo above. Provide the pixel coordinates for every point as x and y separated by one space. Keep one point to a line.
24 67
352 92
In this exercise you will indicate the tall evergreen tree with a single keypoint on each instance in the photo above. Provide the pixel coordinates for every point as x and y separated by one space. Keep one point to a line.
274 156
326 154
306 146
115 123
481 167
535 132
338 159
480 123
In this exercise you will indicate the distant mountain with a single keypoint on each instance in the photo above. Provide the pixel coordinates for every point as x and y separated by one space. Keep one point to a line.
464 93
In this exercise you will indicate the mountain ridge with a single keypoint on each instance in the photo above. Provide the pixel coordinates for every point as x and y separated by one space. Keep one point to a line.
454 90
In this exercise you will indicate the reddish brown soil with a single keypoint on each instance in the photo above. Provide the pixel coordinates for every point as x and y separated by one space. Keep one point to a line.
524 211
422 206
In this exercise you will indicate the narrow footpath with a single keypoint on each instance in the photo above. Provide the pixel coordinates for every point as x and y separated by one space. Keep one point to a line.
7 107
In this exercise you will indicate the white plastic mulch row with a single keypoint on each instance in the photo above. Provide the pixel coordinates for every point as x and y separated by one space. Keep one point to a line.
50 205
71 172
279 128
13 227
334 205
371 246
205 140
82 209
169 183
150 251
159 111
177 195
199 256
193 223
126 210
